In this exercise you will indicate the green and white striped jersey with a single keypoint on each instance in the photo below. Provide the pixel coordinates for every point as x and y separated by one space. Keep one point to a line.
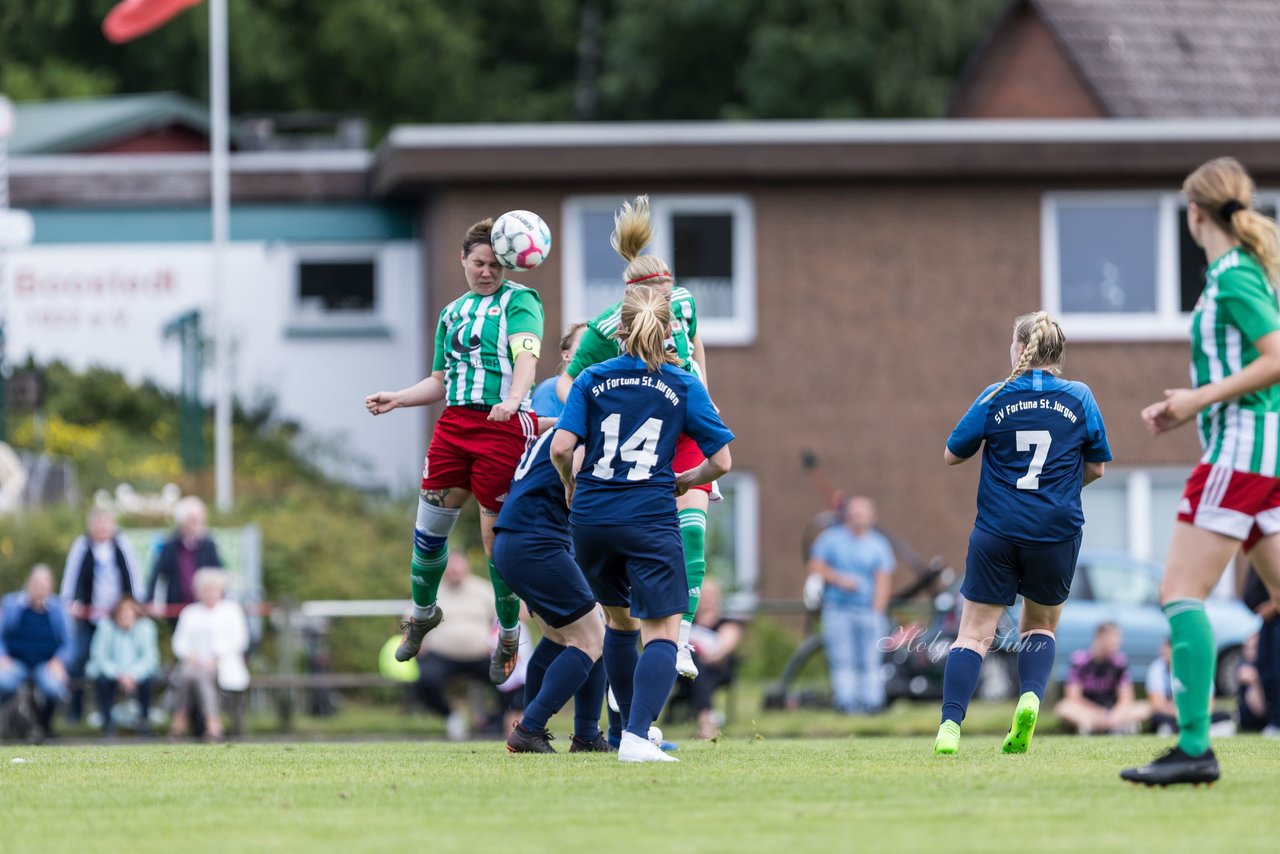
1237 308
472 343
599 343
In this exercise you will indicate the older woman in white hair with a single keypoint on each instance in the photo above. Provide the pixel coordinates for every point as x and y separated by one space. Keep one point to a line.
209 642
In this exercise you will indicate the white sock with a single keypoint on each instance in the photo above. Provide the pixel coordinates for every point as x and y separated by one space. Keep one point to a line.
686 626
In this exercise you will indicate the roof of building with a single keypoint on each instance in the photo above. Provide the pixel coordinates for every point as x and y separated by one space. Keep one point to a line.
1167 58
85 124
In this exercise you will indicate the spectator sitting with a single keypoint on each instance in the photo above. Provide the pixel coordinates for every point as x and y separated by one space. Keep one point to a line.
1164 712
459 646
715 640
1266 662
190 548
36 645
1098 696
101 568
124 655
1251 698
209 642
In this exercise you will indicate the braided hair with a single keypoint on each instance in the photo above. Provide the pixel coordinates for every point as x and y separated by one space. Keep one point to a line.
1042 344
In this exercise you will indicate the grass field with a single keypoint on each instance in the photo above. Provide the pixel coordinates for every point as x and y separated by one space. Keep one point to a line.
740 794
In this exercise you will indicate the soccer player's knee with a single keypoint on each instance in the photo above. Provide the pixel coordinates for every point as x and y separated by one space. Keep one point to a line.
432 527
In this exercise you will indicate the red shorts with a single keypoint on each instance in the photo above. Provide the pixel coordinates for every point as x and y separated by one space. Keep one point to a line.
688 456
1235 504
468 451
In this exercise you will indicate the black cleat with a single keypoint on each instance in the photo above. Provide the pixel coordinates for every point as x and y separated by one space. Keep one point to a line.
1175 767
600 745
523 741
503 661
414 631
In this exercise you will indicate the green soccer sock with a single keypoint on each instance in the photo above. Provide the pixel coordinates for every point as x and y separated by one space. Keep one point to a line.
425 571
1194 657
693 532
505 601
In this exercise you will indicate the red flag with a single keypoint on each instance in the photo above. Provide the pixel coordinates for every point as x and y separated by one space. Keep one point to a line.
130 19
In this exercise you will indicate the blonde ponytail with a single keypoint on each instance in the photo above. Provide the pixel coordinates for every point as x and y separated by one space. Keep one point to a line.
1043 345
632 232
646 321
1260 238
1223 190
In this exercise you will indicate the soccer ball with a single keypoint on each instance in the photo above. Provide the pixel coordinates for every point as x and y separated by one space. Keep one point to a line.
521 240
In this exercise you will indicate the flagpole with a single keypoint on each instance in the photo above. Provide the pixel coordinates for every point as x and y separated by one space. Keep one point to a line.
219 202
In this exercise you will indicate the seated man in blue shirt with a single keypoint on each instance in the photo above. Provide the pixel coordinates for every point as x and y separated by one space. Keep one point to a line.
857 563
36 643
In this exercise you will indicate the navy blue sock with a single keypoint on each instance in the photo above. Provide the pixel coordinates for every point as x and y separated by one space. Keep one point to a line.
959 681
543 654
587 702
615 725
564 677
655 677
1035 663
620 658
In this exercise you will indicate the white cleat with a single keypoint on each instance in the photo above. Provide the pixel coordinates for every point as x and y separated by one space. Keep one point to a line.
613 701
684 663
636 749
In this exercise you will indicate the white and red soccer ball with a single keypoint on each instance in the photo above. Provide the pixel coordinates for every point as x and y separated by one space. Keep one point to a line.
521 240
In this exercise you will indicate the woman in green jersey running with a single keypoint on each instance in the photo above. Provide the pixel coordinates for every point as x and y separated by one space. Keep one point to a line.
1233 496
486 352
633 231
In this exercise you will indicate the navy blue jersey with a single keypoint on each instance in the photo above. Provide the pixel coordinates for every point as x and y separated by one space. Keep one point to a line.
1039 432
535 502
630 418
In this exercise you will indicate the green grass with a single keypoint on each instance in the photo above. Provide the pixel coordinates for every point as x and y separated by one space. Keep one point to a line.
740 794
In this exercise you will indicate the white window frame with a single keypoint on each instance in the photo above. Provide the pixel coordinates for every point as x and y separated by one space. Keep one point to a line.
738 330
300 323
1168 322
746 527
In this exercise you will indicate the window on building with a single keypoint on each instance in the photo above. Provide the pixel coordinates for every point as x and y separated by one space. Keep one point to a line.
1133 510
335 291
732 547
708 240
329 286
1122 265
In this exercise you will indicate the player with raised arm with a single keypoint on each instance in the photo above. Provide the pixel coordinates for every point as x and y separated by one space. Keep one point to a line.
486 352
1042 441
1233 496
633 231
630 412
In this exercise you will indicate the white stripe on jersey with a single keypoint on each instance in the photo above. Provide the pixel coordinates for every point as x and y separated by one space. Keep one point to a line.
457 377
504 347
477 330
1270 436
610 324
1244 446
1209 337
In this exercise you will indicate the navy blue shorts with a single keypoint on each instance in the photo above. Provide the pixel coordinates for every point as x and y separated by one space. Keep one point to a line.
641 567
542 572
997 570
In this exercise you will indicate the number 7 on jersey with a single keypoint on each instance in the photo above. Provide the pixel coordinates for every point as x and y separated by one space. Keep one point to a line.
1038 442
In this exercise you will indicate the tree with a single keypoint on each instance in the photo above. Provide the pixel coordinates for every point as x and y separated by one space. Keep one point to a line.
518 60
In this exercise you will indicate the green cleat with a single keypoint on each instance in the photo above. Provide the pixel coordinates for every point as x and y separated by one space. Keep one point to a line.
1024 724
948 741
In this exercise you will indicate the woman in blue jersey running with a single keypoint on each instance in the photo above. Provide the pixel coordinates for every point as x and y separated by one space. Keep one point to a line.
1042 440
629 412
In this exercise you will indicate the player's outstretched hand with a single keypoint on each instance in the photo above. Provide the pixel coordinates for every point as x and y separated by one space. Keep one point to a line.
380 402
1177 408
503 411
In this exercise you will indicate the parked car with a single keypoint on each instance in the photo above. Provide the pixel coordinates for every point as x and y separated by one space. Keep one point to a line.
1115 587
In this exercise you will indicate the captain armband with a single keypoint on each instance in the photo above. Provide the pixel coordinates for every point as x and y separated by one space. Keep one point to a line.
526 344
